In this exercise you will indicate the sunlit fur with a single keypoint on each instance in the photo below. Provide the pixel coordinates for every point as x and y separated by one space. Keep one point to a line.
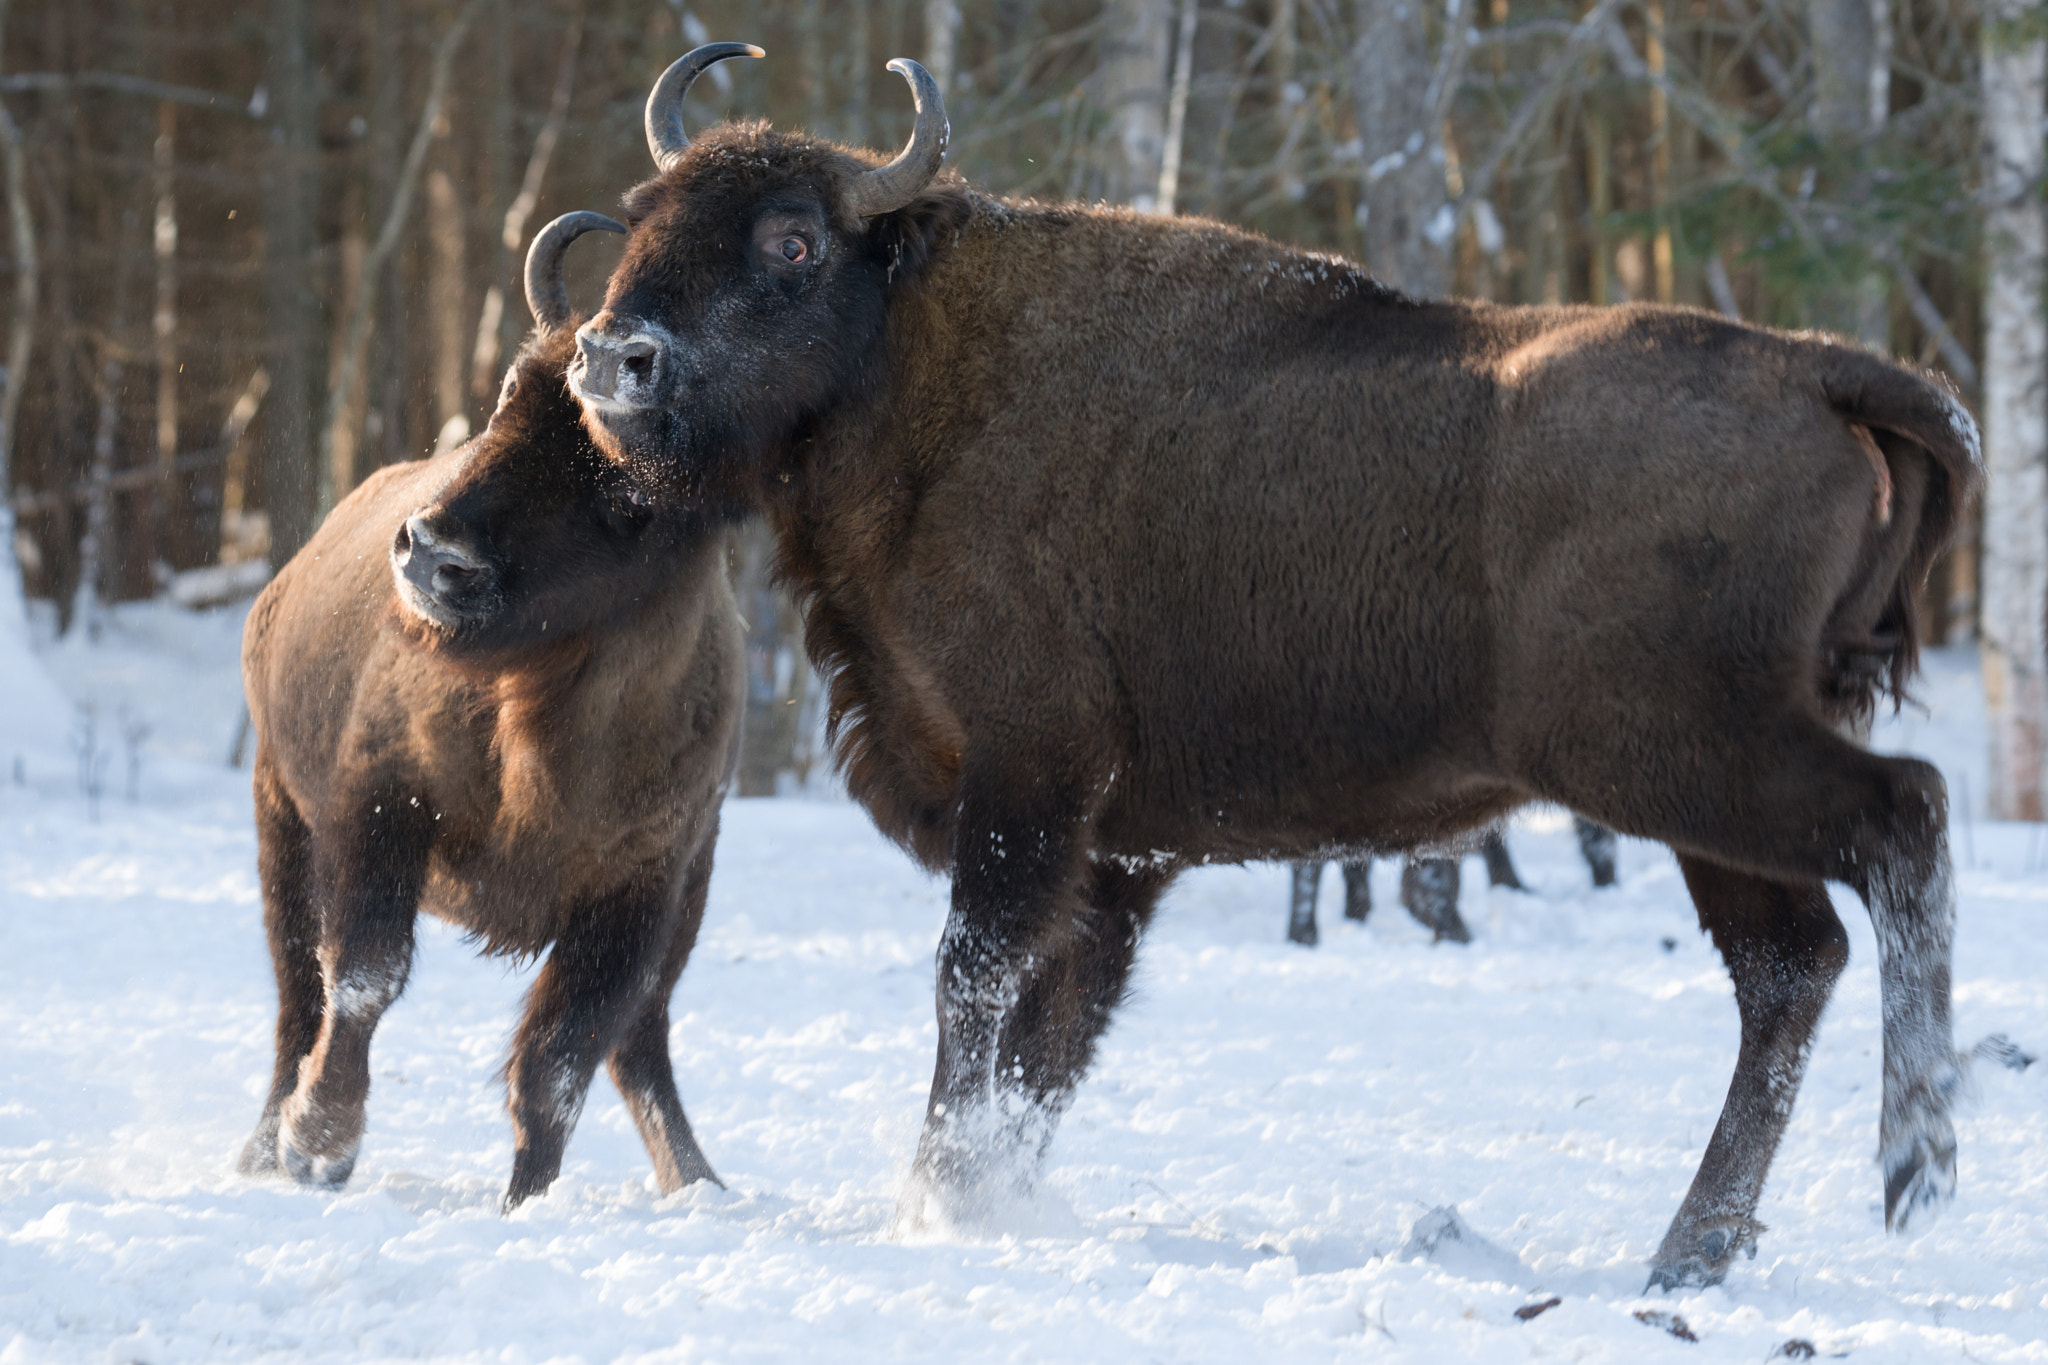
1130 543
540 762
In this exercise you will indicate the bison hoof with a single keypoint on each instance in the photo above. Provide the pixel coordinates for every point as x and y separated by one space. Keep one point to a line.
1706 1261
259 1153
1919 1180
317 1172
1451 930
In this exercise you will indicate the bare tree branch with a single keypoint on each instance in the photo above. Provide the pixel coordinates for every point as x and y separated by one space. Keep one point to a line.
127 85
1561 67
334 482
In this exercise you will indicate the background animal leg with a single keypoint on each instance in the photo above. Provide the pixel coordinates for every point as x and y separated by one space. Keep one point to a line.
1597 846
1301 904
1500 868
369 874
283 866
1429 889
640 1065
598 980
1784 947
1358 889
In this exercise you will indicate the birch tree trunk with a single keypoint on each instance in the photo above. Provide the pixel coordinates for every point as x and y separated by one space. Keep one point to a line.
1131 86
448 233
1177 109
2015 587
1408 224
163 327
941 40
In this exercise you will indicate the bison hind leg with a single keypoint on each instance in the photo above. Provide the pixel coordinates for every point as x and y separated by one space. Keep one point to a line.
1783 947
1429 890
641 1067
604 989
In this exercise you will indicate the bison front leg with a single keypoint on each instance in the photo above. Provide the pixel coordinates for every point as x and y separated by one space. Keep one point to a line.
368 866
1783 947
604 971
1030 967
292 924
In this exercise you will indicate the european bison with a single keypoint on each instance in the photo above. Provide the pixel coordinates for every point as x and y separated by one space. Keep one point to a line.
504 686
1131 543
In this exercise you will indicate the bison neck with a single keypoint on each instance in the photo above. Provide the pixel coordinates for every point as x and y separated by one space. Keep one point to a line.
1179 512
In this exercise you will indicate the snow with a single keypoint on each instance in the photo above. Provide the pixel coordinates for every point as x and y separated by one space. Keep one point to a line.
1263 1165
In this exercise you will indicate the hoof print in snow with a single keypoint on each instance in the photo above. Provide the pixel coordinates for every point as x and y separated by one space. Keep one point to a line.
1536 1310
1666 1322
1795 1349
2003 1050
1670 944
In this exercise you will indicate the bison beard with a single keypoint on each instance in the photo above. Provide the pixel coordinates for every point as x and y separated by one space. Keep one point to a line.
1132 543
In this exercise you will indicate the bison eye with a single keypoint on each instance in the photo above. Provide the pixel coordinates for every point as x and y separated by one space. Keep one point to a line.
794 249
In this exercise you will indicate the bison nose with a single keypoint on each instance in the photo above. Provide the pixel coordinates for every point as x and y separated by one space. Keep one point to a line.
622 371
438 569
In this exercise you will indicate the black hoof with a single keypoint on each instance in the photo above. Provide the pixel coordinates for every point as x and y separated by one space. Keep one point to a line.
1707 1261
1429 890
1452 930
316 1172
1920 1182
259 1154
1597 846
1500 868
1669 1279
1302 929
2004 1051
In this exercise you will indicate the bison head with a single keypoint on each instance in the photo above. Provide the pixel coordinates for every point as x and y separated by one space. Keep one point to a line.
535 536
752 290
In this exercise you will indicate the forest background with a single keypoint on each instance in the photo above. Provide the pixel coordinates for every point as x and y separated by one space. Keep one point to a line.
255 249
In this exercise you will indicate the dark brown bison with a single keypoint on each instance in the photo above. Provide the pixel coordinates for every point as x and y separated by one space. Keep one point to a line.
504 686
1132 543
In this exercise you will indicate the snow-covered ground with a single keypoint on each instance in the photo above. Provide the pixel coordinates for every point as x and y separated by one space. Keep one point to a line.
1236 1182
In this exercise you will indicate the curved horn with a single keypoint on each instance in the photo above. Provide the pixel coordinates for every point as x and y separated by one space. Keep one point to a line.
546 295
888 188
665 135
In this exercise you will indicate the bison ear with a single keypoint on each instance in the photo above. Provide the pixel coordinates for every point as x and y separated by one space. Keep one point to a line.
911 235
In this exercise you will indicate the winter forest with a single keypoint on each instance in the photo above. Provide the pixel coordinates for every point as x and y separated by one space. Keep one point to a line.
255 251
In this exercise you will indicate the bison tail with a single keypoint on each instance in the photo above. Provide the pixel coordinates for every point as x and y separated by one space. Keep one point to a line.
1925 447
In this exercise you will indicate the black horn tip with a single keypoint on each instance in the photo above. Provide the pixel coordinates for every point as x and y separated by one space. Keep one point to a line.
546 295
666 138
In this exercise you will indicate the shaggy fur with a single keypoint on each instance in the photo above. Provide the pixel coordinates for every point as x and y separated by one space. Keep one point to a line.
1132 543
542 765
